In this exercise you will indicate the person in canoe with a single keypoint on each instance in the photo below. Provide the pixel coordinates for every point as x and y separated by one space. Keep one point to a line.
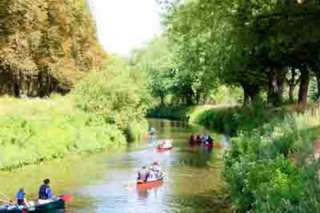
152 131
193 140
45 192
143 174
156 169
208 141
21 198
165 144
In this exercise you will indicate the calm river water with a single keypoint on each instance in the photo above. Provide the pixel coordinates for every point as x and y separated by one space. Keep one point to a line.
106 182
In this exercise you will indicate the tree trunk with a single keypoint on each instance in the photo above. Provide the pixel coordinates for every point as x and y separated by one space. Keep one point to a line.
254 92
291 90
304 85
318 85
162 100
275 90
246 98
250 93
292 84
198 97
189 96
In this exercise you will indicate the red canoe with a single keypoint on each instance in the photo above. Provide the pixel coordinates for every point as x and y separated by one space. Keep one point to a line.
149 184
207 146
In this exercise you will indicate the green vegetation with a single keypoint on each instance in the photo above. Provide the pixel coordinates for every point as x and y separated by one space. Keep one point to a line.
51 46
97 115
169 112
117 94
273 169
209 53
270 166
269 50
230 120
46 129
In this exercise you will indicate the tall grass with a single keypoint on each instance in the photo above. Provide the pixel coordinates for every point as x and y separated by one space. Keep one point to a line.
105 110
231 119
45 129
271 168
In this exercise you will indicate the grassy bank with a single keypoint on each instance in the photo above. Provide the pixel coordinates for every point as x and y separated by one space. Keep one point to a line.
169 112
187 113
270 166
105 110
35 130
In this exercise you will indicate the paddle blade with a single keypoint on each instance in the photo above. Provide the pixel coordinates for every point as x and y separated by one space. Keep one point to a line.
66 198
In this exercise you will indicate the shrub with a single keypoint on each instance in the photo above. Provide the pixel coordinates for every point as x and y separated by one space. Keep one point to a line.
262 172
49 135
115 94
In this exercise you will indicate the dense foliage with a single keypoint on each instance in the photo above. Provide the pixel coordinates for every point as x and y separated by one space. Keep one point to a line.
46 129
272 165
45 46
117 94
267 48
273 168
264 47
105 110
156 61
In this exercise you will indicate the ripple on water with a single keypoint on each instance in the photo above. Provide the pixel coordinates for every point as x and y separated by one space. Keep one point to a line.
106 182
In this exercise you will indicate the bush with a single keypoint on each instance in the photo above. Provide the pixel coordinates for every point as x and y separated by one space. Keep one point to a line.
103 111
230 120
169 112
115 94
270 168
52 134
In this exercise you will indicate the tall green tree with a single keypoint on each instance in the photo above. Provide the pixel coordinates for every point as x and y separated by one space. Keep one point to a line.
157 63
248 43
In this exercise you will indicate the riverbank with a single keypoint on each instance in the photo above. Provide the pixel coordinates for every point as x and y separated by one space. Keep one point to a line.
37 130
190 184
270 166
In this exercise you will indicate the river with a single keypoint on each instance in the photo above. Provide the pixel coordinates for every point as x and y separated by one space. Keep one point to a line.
105 182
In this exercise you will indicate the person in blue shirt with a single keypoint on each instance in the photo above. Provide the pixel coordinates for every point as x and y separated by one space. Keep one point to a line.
20 196
45 192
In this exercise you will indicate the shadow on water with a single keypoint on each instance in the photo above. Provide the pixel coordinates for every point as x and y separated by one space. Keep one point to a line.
207 202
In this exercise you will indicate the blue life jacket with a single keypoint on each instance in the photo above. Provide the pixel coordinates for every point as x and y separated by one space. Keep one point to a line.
44 192
20 195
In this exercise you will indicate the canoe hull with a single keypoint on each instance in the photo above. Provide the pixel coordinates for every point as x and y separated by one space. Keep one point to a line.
149 184
58 204
164 149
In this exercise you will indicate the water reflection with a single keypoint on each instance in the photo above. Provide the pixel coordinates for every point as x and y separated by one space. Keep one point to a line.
106 182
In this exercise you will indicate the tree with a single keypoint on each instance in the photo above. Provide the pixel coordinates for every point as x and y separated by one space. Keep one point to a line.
157 64
45 46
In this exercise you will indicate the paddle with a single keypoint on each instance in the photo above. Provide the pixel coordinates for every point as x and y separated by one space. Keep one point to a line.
6 201
4 195
66 198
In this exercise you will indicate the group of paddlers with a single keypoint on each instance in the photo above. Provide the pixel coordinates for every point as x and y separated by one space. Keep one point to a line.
45 194
151 173
205 140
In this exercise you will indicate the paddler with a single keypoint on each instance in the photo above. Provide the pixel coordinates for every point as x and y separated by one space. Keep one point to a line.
45 192
143 174
21 198
156 169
